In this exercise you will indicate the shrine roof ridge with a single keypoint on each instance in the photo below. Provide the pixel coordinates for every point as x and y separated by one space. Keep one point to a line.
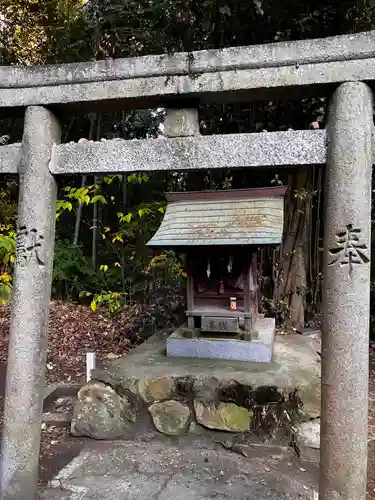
226 194
230 217
207 75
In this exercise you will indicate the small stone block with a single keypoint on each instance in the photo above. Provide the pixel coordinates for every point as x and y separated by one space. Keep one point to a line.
182 122
258 350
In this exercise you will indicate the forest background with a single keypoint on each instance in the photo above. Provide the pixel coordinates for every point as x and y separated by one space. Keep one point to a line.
103 223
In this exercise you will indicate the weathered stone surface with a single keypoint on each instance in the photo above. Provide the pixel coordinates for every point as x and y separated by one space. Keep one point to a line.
152 78
101 413
224 417
346 293
156 389
292 147
170 417
309 434
10 158
30 308
182 122
335 48
193 469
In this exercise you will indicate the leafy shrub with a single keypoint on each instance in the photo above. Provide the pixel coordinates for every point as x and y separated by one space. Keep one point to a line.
71 271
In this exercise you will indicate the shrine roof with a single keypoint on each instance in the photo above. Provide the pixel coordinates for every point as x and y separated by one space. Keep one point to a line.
231 217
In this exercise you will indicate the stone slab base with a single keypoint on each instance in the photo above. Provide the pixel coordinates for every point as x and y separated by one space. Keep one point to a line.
190 469
259 350
178 396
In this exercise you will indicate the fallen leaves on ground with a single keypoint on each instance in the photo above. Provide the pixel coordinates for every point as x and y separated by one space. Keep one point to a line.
75 328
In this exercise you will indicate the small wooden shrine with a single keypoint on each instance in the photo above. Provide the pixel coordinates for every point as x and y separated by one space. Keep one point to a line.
220 233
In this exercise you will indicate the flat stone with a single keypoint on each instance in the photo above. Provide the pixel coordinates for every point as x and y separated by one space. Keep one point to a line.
100 413
309 433
259 350
195 469
170 417
156 389
224 417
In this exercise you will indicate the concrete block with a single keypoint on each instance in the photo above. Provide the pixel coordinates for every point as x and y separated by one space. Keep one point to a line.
259 350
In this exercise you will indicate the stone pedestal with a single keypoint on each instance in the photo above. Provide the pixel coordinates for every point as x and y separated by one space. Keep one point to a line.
346 293
181 344
30 308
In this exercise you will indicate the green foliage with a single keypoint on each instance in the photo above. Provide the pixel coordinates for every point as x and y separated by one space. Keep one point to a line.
71 270
7 245
113 301
128 208
7 253
5 287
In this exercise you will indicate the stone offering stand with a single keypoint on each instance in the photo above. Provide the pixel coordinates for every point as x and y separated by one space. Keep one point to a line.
342 67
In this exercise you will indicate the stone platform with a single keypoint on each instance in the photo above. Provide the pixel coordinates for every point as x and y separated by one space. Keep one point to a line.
182 395
190 469
191 344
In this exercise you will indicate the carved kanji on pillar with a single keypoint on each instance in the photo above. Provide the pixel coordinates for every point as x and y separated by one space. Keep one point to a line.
349 249
29 245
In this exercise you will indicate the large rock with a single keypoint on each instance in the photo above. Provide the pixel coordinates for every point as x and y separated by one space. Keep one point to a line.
156 389
100 413
224 416
170 417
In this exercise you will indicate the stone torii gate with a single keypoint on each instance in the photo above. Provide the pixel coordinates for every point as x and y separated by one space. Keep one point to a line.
344 66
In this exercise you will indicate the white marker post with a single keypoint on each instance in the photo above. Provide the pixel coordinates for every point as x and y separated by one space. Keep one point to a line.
90 363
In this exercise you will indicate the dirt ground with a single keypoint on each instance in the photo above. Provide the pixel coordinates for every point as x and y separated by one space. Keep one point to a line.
111 337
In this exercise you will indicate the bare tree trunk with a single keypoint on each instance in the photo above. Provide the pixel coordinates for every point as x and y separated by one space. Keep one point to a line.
95 218
124 204
83 184
295 257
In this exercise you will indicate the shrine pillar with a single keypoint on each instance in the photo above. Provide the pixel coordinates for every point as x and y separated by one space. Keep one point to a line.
30 308
346 294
